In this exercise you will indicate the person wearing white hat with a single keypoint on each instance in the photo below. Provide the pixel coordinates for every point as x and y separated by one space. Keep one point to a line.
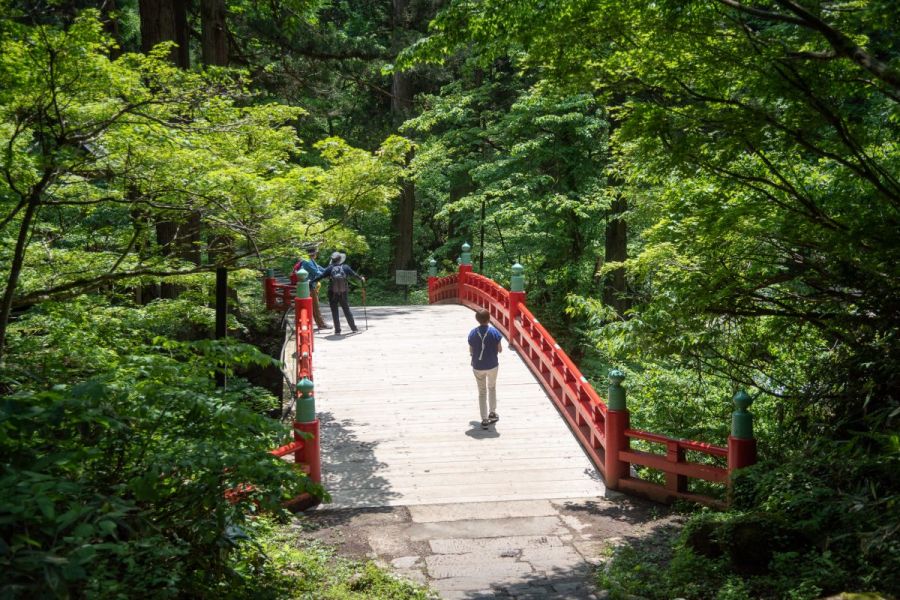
339 289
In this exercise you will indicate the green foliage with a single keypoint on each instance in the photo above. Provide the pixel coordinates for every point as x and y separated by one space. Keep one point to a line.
291 567
535 161
116 465
101 153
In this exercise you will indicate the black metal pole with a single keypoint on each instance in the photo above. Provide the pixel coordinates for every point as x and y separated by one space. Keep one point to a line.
481 258
221 313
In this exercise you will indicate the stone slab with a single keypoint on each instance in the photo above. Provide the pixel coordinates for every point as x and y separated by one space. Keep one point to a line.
481 510
475 568
486 528
504 546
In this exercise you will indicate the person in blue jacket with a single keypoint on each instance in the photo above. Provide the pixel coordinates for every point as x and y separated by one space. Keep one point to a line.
339 289
315 270
484 346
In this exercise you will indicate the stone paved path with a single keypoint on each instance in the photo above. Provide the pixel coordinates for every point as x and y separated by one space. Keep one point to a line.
522 550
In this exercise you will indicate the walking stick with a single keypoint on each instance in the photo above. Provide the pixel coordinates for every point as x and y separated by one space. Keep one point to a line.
365 314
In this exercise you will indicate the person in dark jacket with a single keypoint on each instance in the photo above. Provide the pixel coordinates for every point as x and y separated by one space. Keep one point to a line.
339 288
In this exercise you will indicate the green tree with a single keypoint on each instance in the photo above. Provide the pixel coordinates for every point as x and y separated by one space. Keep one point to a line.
98 151
758 147
522 170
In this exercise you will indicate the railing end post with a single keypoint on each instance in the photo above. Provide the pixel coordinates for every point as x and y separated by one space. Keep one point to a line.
617 421
432 279
269 289
616 399
306 422
465 266
517 280
741 443
302 284
466 257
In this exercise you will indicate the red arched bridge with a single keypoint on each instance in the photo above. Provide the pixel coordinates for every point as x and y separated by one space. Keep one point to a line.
409 375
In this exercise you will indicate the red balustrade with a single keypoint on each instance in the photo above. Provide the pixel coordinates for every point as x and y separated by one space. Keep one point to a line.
306 446
278 296
603 432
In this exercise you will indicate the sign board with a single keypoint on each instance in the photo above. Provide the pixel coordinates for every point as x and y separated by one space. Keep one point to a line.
406 277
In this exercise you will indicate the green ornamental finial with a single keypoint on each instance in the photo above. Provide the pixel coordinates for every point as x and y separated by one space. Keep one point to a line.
741 420
306 403
517 281
466 258
616 391
302 284
305 386
432 268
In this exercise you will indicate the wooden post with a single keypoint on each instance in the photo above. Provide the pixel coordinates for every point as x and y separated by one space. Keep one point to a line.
516 298
432 279
306 422
303 305
465 266
675 455
269 289
741 443
617 418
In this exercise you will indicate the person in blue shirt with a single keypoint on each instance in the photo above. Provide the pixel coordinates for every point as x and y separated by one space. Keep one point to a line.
315 270
339 289
484 346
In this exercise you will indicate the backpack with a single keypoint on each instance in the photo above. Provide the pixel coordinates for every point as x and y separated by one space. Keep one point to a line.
339 283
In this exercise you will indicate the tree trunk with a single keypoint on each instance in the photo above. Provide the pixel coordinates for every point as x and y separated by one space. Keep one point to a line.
165 238
214 33
403 226
165 21
614 285
401 108
111 26
16 267
182 34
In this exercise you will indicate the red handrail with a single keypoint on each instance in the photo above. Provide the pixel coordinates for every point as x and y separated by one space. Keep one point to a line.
603 433
306 446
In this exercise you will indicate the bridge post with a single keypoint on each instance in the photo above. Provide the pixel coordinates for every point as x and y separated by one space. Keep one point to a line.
432 279
617 421
306 422
465 266
741 443
302 301
269 289
516 298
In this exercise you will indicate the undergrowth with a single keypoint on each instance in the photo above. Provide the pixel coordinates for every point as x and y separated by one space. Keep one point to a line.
282 565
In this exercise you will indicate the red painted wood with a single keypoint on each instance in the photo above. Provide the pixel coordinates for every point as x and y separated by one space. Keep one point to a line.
311 453
684 444
741 453
604 434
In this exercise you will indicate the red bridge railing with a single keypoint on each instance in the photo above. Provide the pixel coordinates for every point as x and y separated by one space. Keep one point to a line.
306 446
602 429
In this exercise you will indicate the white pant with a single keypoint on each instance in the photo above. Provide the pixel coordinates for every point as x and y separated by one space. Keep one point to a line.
487 390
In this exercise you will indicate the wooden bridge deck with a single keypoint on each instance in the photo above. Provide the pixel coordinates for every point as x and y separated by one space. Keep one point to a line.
400 423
